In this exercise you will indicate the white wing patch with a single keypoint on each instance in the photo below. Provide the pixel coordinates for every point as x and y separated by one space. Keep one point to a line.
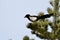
33 18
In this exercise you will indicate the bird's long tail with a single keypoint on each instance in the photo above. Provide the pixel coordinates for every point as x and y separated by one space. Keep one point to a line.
45 16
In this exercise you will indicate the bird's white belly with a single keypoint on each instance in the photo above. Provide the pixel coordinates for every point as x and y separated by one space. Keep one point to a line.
33 18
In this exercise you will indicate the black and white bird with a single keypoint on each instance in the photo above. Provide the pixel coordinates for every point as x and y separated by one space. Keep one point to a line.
36 18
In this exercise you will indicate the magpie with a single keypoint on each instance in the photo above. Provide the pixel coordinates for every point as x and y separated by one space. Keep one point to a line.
36 18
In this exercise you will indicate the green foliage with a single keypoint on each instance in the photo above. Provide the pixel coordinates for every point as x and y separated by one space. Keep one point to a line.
26 38
40 27
40 14
49 10
51 2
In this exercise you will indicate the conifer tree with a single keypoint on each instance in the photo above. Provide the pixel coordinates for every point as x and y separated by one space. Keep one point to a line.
40 27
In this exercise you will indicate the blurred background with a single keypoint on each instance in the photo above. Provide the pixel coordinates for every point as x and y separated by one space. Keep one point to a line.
12 21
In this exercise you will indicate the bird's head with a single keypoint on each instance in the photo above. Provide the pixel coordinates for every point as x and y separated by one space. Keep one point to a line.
27 15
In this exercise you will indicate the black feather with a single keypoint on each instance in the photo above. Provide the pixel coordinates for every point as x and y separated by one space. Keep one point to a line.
38 17
45 16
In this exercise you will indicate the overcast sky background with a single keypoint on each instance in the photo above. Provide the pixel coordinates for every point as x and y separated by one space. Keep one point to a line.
12 21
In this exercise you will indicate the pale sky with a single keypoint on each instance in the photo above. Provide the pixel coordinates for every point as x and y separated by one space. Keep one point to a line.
12 21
